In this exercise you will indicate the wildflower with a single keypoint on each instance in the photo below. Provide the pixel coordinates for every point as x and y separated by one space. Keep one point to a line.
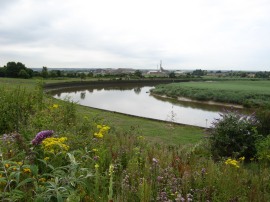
111 169
14 168
155 160
41 136
232 162
140 137
55 106
98 135
46 158
42 179
20 163
96 166
159 178
94 150
26 170
54 145
102 130
96 158
242 158
7 165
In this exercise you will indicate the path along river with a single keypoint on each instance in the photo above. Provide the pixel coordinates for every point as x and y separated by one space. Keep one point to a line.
136 100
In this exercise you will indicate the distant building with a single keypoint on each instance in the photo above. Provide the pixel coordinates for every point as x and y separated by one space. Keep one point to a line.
160 72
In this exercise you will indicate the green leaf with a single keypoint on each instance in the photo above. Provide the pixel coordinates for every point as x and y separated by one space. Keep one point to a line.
25 181
59 197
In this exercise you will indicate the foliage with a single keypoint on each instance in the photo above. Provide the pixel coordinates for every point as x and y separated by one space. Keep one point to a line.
16 70
234 135
263 116
263 149
16 108
199 72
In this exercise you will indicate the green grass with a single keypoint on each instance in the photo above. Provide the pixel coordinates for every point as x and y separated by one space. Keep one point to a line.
246 92
155 131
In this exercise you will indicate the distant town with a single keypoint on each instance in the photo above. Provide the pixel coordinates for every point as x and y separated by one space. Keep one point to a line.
19 70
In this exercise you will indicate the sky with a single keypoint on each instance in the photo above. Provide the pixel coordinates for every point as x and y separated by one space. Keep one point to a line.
184 34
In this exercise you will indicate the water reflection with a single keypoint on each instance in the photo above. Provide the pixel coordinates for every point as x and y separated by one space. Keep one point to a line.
136 100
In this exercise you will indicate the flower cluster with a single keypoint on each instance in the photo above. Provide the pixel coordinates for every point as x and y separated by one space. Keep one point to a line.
55 145
232 162
103 129
41 136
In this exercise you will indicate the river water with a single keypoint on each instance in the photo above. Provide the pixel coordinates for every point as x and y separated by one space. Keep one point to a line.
136 100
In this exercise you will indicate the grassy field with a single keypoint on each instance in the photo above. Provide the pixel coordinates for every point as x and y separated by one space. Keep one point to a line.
245 92
51 150
154 130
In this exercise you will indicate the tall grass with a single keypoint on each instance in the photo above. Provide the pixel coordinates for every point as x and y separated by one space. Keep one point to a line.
248 93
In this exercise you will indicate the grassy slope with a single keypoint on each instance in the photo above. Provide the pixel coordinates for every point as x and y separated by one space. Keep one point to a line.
154 130
240 92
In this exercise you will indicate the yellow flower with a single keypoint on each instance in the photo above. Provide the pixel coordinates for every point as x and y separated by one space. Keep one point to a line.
14 169
55 145
94 150
26 170
42 179
232 162
20 163
46 158
96 166
55 106
98 135
242 158
7 165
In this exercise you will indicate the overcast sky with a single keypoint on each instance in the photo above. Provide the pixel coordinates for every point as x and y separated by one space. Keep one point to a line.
184 34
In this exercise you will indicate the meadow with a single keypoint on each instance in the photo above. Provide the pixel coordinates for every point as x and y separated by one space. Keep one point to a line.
54 150
250 93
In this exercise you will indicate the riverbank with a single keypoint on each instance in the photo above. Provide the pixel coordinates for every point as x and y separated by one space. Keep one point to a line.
249 93
64 84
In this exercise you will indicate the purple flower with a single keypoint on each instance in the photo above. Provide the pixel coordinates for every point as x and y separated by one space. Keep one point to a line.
41 136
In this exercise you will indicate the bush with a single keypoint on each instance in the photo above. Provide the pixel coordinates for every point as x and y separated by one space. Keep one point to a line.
234 135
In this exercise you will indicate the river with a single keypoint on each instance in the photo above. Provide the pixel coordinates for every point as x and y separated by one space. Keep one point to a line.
136 100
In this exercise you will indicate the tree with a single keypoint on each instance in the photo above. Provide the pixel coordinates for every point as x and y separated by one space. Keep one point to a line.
82 76
199 72
44 72
172 75
2 72
138 74
23 74
13 69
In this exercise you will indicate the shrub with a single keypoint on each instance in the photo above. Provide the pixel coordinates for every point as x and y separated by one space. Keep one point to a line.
234 135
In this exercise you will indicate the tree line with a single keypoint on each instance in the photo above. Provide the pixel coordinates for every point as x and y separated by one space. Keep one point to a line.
16 70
